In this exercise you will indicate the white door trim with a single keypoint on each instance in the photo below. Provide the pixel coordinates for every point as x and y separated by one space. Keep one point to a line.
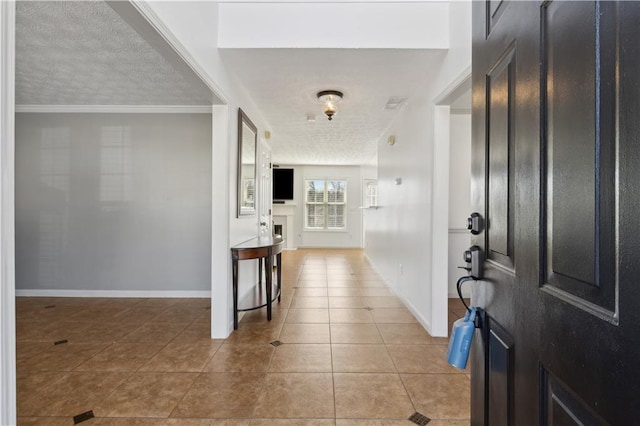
440 202
7 222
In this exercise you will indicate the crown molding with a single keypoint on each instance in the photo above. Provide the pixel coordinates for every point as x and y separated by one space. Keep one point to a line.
116 109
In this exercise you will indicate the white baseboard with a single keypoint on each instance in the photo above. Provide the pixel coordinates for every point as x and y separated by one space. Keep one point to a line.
113 293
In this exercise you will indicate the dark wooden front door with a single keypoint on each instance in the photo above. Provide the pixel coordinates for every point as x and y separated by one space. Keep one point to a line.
556 172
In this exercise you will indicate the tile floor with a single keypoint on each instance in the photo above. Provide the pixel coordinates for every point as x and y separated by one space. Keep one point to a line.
351 354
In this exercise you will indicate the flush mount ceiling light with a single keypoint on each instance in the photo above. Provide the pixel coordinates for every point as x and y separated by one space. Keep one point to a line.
330 99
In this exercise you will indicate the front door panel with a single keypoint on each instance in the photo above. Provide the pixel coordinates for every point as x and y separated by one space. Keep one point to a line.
556 171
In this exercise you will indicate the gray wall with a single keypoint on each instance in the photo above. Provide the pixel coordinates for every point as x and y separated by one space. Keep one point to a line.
113 201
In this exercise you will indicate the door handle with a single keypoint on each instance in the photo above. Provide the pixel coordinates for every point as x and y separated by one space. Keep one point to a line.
475 257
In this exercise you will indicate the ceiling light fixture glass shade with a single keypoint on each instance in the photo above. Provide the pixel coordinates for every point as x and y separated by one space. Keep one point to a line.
330 99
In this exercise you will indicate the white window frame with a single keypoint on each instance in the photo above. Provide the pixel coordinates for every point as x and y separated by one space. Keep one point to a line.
370 193
325 202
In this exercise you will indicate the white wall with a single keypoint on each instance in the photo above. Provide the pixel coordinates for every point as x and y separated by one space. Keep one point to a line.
417 25
113 203
351 237
194 25
459 197
399 234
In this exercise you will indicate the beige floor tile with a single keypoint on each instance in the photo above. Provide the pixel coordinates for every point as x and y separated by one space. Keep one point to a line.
221 395
305 333
346 302
371 422
361 359
63 357
439 396
293 422
177 314
206 422
107 313
393 316
31 331
71 394
47 331
45 421
421 359
311 292
139 314
241 358
407 334
31 386
350 316
376 292
255 333
301 358
344 292
146 395
278 315
103 332
383 302
285 302
355 333
194 303
133 421
338 279
300 395
196 331
362 396
307 283
25 349
311 316
181 357
155 333
121 357
343 283
309 302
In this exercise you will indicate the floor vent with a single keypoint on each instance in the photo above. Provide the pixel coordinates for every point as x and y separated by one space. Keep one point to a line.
207 308
60 342
368 308
82 417
50 306
276 343
419 419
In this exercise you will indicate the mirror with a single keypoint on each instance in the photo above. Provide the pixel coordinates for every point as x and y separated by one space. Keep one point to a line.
247 148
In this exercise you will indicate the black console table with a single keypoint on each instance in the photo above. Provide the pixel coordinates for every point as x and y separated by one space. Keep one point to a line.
263 249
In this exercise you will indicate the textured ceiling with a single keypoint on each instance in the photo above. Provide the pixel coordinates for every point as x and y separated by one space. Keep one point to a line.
284 83
84 53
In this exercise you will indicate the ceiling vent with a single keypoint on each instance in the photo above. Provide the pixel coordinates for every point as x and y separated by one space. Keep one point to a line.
395 102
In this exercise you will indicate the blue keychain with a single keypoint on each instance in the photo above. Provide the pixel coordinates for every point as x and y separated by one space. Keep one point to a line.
460 341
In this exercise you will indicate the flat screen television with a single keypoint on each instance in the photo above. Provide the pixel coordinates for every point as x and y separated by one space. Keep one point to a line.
282 184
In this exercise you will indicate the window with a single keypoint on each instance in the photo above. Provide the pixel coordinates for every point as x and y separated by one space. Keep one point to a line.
370 193
325 204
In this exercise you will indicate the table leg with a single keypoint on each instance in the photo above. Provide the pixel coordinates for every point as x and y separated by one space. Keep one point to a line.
279 274
235 293
268 263
259 272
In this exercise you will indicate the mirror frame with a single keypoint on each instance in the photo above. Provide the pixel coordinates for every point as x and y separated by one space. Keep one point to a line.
242 121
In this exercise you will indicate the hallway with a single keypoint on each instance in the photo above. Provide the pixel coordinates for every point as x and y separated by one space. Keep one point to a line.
341 349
